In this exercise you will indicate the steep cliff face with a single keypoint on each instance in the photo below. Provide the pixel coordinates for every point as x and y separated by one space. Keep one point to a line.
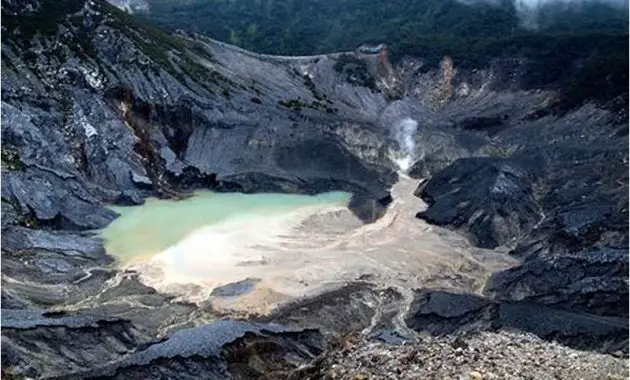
129 110
98 108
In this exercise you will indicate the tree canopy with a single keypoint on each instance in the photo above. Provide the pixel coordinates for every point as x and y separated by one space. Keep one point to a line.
583 43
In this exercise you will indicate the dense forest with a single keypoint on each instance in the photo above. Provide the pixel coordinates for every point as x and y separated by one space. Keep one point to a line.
554 36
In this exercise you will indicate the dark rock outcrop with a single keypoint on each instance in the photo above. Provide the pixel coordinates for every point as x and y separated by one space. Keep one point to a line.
591 280
349 308
67 342
564 206
442 312
490 198
219 350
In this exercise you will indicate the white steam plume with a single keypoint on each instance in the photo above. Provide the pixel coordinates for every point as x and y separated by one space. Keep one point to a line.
405 135
529 10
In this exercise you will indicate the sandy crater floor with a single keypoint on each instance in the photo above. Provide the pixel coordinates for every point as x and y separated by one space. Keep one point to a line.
313 248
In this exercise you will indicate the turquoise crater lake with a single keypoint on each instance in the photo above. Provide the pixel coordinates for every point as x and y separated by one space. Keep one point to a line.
143 231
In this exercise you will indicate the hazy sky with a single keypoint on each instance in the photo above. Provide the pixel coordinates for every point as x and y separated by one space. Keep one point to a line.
528 9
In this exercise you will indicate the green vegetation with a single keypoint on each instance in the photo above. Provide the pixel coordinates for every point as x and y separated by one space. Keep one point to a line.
582 47
355 71
294 104
167 51
298 104
154 42
290 27
170 51
11 159
323 26
44 20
